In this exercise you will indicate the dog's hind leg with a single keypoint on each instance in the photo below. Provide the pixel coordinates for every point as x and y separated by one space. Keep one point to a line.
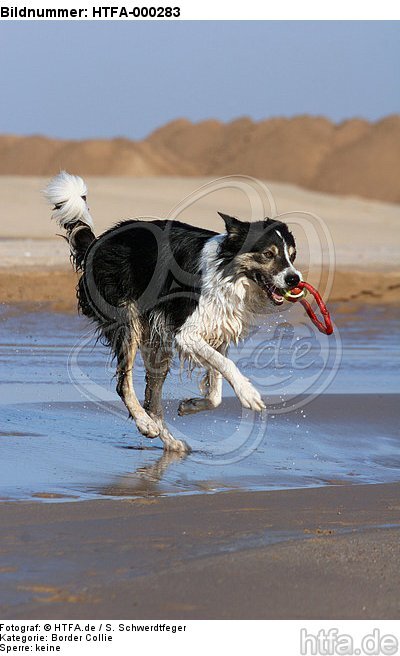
157 361
126 353
213 395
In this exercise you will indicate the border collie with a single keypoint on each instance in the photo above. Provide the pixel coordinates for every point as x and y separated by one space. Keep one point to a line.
163 285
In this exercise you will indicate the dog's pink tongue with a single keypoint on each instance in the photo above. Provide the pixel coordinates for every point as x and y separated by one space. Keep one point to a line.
278 298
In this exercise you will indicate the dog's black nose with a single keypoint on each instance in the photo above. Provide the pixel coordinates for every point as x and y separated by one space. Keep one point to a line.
292 279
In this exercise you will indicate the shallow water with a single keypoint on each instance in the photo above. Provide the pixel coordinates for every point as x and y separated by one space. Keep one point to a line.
332 412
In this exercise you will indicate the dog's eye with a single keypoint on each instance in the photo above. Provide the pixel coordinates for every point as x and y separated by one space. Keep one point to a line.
269 255
293 256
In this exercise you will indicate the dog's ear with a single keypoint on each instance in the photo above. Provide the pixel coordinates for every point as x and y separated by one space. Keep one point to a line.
233 226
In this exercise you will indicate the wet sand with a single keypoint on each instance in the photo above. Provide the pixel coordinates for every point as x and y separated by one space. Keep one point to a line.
96 523
331 417
331 552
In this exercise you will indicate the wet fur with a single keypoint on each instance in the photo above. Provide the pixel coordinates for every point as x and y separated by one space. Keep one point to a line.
161 285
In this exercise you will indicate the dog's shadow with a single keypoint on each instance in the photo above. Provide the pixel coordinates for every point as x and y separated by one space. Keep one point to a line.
144 481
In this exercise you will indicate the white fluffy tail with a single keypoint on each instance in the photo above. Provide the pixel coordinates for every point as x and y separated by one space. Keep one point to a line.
67 194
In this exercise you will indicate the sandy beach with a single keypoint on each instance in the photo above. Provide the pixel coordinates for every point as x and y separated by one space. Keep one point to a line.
364 233
320 553
295 515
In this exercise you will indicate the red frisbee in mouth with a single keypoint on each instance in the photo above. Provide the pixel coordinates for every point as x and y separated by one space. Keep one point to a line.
295 294
298 293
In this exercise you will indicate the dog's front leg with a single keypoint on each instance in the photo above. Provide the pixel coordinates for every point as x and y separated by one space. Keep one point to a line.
212 392
211 400
194 346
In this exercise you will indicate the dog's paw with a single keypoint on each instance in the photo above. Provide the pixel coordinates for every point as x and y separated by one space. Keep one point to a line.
190 406
172 445
248 396
147 426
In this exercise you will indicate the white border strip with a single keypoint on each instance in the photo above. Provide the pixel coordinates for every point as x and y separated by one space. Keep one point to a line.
134 10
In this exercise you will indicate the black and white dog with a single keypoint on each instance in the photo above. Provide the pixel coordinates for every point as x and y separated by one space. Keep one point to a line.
159 285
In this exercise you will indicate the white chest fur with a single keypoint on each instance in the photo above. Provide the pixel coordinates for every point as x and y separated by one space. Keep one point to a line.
222 315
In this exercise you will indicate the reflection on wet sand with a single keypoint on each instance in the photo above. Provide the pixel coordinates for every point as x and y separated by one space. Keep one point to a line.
144 481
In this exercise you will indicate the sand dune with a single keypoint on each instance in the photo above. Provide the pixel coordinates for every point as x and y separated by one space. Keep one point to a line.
353 158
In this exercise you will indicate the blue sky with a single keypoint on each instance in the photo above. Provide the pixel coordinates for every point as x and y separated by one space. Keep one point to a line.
106 79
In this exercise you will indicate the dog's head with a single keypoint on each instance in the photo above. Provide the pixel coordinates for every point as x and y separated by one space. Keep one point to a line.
263 251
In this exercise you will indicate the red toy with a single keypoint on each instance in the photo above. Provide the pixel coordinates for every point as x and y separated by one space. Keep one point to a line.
298 293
